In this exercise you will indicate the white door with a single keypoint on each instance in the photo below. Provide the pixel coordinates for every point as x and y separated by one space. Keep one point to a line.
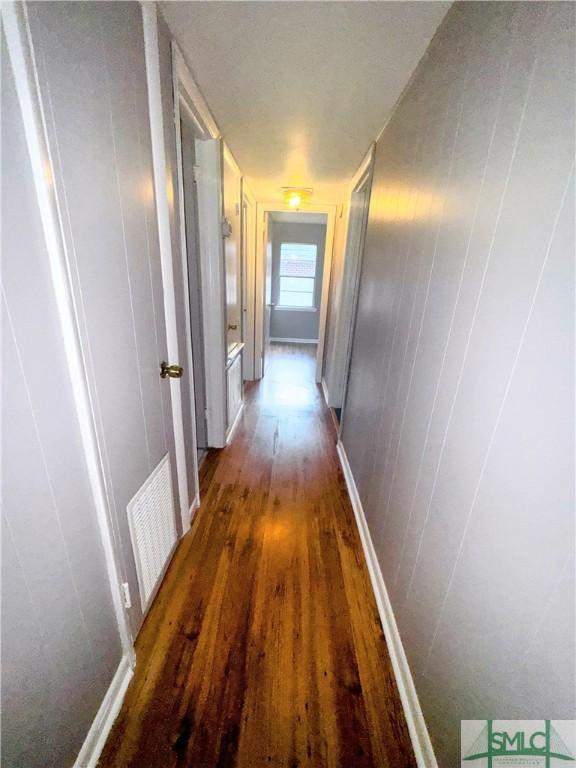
97 89
357 222
190 215
248 281
267 293
232 183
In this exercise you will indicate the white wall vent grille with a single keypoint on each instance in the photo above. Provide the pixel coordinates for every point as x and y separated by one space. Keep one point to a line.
152 528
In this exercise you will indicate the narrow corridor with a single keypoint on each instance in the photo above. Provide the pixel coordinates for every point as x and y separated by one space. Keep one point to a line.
264 646
288 295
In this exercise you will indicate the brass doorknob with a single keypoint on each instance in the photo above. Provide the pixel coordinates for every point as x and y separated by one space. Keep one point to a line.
170 371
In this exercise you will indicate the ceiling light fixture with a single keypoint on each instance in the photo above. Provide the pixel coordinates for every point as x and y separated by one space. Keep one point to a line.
294 197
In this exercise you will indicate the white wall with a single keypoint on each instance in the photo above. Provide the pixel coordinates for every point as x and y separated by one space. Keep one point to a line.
60 641
459 424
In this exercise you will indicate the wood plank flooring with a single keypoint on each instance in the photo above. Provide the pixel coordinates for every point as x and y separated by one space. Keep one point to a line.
264 646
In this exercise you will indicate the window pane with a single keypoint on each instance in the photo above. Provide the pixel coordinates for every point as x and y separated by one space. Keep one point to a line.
296 299
303 284
298 259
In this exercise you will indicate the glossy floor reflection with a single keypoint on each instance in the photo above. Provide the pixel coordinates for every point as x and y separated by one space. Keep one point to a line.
289 377
264 648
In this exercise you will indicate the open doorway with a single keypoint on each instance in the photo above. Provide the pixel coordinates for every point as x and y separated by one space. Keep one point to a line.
191 229
294 276
200 196
350 285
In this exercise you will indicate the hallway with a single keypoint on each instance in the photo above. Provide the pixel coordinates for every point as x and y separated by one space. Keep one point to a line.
288 298
264 646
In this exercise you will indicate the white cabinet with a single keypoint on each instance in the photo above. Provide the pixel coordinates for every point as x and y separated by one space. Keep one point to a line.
234 385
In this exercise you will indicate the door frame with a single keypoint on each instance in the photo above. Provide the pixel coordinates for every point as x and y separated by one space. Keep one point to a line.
248 279
187 96
228 161
182 106
347 299
182 117
262 212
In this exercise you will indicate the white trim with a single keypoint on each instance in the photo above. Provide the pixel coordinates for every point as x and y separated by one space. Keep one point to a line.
209 191
232 245
419 735
325 392
248 278
294 341
232 429
150 25
263 209
231 160
21 54
363 168
209 186
346 299
329 249
193 95
105 717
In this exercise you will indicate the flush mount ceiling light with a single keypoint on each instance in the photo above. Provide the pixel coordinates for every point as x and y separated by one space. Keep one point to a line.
294 197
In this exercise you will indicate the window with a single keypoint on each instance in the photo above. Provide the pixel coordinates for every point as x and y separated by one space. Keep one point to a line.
297 275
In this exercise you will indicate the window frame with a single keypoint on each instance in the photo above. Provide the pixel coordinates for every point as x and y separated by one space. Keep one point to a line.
291 307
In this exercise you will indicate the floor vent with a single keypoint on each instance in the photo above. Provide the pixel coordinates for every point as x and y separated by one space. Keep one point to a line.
152 528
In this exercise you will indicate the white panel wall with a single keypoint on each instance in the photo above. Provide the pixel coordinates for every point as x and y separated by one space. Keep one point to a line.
463 358
60 641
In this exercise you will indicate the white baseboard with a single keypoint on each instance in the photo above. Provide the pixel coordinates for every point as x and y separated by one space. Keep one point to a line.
193 507
105 717
295 341
325 391
230 433
419 735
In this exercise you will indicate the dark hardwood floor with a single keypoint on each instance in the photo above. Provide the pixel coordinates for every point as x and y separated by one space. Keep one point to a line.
264 645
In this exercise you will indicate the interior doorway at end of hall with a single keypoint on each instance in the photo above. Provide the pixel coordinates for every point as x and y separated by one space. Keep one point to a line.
191 226
295 256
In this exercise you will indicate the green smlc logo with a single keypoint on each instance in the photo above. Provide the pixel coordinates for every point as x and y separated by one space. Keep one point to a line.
545 744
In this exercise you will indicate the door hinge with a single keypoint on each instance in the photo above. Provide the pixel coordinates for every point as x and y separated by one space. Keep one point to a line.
226 228
126 594
195 173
